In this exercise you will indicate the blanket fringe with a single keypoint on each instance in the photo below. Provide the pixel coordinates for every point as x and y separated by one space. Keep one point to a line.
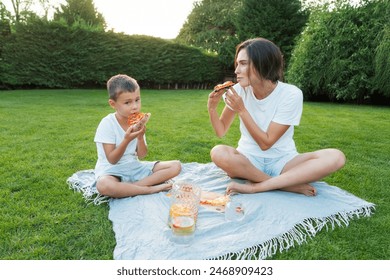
85 184
298 235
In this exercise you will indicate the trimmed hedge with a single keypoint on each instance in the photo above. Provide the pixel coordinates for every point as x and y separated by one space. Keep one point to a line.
53 55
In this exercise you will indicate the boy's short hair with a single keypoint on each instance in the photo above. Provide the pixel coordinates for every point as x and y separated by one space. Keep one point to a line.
120 83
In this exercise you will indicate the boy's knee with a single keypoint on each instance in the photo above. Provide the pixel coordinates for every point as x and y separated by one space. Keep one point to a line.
103 185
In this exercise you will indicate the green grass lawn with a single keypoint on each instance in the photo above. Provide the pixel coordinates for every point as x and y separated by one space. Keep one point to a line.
47 135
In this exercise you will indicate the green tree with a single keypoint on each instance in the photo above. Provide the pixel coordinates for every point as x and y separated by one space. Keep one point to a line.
5 21
21 9
5 31
46 6
280 21
211 26
219 25
80 12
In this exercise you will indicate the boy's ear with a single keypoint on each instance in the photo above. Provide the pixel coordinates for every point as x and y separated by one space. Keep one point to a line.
112 103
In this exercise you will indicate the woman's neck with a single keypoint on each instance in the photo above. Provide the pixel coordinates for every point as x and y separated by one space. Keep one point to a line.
264 88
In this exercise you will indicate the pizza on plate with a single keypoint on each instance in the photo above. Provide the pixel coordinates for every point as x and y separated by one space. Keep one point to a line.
219 201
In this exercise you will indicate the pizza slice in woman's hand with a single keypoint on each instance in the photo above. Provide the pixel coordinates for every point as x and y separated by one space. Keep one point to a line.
138 120
221 88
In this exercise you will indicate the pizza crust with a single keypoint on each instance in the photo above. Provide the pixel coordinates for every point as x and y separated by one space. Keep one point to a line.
219 201
218 88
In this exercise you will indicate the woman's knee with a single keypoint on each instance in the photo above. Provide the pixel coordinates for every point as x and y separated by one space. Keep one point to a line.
176 167
338 157
335 158
219 154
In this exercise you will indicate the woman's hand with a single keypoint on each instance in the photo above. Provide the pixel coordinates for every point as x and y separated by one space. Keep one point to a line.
221 124
213 100
234 101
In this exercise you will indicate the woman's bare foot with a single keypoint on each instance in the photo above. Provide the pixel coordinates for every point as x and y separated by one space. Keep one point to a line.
305 189
234 187
249 187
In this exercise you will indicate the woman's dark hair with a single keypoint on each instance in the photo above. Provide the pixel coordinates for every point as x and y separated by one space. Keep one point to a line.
265 57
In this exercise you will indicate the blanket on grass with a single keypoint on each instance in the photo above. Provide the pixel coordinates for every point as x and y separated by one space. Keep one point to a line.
273 221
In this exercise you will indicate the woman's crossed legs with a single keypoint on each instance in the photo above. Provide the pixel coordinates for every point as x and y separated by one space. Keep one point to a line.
295 176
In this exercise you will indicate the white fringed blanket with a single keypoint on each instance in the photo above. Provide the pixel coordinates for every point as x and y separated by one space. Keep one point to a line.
273 221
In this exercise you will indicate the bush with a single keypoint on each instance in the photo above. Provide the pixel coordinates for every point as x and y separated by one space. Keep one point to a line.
382 63
335 56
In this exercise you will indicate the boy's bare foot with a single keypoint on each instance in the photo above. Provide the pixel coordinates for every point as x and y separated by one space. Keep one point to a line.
162 187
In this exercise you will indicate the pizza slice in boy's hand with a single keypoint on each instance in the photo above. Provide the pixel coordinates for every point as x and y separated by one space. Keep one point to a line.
138 120
218 88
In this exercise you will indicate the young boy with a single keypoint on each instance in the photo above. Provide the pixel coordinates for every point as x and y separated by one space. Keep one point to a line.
118 171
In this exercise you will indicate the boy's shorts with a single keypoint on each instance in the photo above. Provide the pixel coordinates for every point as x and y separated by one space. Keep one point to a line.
133 172
271 166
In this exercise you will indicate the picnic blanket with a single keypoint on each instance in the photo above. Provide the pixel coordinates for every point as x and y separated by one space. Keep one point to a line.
274 220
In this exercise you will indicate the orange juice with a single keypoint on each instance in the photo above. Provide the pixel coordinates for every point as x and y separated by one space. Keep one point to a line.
180 210
182 219
183 225
183 211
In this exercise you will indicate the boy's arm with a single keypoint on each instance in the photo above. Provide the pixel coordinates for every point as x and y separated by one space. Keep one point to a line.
142 148
114 153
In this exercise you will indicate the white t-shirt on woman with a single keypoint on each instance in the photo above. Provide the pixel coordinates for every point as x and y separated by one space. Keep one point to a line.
284 106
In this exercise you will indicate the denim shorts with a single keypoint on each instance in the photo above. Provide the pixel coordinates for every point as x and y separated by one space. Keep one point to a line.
271 166
131 172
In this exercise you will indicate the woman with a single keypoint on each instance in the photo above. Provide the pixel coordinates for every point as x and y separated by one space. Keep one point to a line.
268 109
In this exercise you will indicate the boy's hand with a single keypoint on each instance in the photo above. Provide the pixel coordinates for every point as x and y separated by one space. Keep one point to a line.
161 187
131 133
141 131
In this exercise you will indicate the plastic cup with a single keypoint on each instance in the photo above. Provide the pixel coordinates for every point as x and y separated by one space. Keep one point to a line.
234 210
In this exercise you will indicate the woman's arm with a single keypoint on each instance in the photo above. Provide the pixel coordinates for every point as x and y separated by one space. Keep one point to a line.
221 124
265 139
